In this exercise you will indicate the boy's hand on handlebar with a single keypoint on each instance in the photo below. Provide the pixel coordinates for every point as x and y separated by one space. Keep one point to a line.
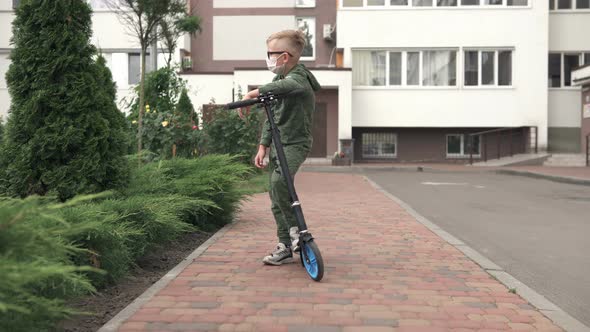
259 159
242 112
250 95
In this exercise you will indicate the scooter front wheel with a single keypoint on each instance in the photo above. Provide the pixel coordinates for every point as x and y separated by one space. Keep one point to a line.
311 259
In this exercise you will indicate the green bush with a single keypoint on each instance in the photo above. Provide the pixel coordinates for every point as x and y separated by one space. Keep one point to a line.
209 182
50 253
170 124
227 133
35 269
64 134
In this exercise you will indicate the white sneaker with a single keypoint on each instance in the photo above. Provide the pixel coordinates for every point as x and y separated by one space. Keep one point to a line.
294 234
281 255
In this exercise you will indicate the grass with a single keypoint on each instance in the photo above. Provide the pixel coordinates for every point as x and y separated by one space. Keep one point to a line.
257 183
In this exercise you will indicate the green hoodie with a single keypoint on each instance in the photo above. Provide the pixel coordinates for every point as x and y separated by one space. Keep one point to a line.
293 115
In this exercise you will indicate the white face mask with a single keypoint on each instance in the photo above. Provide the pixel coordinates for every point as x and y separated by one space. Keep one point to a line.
272 65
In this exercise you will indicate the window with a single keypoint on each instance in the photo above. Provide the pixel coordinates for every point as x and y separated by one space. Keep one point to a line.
134 68
505 68
379 145
561 66
413 68
517 3
395 68
369 68
435 3
352 3
446 3
307 25
422 3
555 70
15 4
458 145
570 61
488 68
439 68
564 4
471 68
305 3
569 4
404 68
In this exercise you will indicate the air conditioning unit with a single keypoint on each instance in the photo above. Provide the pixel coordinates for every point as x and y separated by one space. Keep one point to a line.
187 63
328 30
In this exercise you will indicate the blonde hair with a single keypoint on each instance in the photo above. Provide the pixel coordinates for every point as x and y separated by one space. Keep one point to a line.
295 39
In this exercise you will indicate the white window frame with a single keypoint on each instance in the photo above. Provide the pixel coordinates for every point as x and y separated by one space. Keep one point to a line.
574 7
463 153
381 156
388 5
581 60
480 67
313 5
404 69
313 36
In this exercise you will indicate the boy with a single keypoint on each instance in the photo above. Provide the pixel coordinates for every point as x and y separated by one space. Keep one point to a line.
294 118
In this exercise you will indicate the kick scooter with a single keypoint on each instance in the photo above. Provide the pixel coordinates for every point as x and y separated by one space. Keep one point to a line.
310 255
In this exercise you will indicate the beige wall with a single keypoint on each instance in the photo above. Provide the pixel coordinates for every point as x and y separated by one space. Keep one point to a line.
253 3
223 37
568 31
243 37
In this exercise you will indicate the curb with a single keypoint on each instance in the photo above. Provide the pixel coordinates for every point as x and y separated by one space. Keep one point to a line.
126 313
546 307
555 178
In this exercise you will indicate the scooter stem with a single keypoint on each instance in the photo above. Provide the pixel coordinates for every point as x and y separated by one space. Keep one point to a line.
276 139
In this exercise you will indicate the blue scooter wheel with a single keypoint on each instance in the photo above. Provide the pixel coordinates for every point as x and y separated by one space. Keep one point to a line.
312 260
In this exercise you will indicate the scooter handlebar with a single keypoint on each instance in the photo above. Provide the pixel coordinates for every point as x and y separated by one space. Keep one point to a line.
242 103
253 101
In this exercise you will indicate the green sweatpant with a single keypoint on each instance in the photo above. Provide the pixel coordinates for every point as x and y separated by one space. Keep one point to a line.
279 194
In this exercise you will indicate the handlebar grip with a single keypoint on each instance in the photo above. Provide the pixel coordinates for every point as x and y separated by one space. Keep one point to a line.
241 103
250 102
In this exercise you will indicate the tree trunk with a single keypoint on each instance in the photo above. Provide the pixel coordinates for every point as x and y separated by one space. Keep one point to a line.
141 103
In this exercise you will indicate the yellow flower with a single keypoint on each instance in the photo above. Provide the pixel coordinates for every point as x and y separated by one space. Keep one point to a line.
134 121
165 123
147 108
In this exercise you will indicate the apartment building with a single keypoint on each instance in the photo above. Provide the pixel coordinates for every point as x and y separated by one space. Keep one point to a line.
407 80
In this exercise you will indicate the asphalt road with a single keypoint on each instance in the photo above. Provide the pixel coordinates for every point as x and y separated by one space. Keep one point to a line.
536 230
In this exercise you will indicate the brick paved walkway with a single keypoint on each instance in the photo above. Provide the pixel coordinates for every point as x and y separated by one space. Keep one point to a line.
384 272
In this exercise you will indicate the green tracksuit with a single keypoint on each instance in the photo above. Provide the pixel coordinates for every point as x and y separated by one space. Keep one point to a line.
294 118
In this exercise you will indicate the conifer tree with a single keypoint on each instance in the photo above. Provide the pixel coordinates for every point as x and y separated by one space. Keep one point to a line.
64 134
